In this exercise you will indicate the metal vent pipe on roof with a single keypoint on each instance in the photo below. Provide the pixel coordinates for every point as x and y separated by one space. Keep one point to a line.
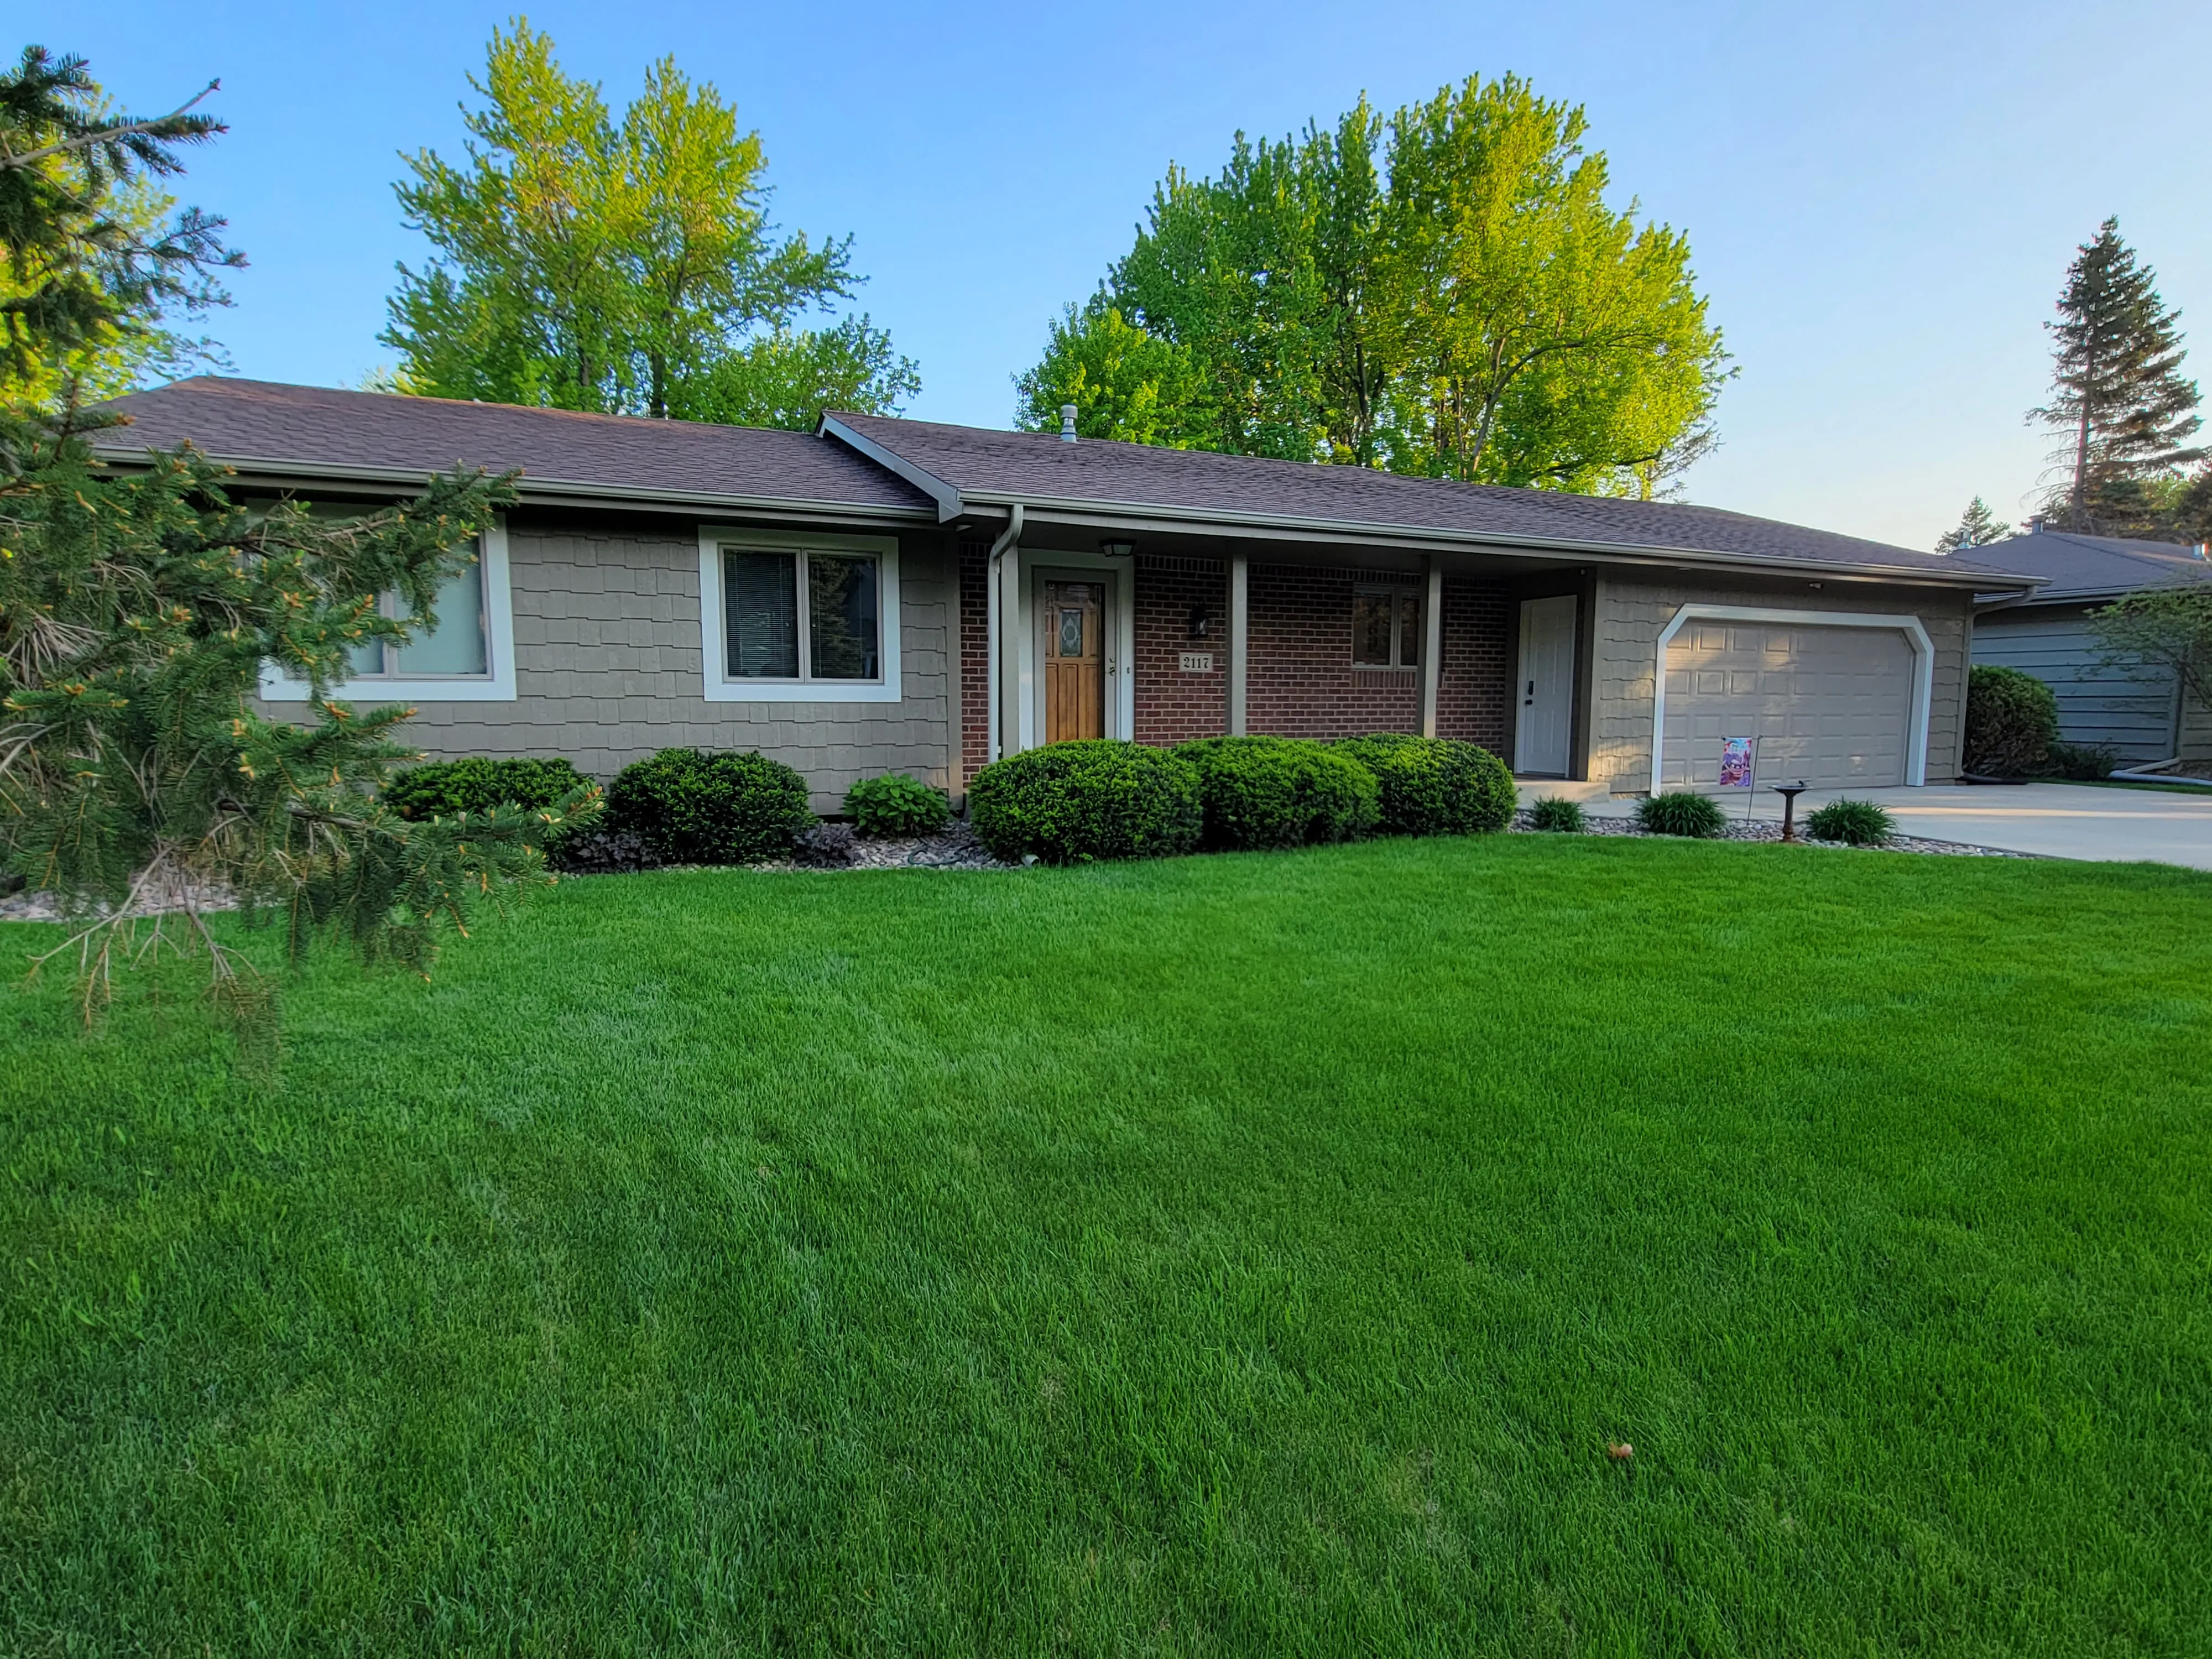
1067 424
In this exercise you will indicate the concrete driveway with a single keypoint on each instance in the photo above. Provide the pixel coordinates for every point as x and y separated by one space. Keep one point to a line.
2057 820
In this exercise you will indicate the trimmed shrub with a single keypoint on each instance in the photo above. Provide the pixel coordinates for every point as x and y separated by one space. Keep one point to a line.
2083 762
897 805
1556 812
1856 822
1679 812
441 788
1072 803
1434 786
2012 721
690 807
1279 791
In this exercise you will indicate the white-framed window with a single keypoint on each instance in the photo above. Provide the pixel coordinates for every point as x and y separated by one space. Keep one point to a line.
1386 627
793 616
468 658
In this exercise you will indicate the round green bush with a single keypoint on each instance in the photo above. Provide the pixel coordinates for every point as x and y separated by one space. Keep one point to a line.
897 805
690 807
1556 812
1434 786
2012 721
1681 812
1279 791
1858 823
1072 803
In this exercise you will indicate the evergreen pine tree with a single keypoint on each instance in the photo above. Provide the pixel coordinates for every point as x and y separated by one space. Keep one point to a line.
139 785
1976 528
2117 391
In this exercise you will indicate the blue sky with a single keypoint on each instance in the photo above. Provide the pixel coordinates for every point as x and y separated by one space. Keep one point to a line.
1881 198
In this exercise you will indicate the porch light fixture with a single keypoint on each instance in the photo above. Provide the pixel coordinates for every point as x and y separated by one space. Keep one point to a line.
1117 550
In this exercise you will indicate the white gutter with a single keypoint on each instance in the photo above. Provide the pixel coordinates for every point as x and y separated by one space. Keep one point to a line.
1009 540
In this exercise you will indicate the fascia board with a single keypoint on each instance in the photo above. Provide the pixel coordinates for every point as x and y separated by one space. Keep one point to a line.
1424 538
947 497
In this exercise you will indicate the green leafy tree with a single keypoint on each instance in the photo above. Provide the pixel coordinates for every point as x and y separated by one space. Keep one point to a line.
97 261
1465 305
1976 528
138 785
1123 382
2170 628
624 267
2117 391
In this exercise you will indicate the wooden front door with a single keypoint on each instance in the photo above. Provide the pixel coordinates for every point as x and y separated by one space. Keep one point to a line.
1074 661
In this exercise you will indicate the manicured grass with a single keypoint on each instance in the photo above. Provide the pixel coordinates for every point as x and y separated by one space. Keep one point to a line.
1226 1255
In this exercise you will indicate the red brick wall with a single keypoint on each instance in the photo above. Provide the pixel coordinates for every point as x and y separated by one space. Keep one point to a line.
974 658
1300 681
1473 701
1173 706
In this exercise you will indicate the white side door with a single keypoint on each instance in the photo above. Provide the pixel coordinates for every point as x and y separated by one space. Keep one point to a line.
1543 737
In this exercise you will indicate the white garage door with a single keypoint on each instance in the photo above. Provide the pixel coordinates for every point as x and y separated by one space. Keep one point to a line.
1832 706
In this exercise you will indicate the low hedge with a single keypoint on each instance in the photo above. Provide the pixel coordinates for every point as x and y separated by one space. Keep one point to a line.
1434 786
1855 823
897 805
1258 792
2012 721
691 806
441 788
1072 803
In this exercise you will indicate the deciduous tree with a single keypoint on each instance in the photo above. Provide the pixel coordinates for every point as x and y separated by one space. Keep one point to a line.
626 267
1444 291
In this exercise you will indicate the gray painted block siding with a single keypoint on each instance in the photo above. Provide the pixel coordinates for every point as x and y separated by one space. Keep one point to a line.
1632 615
2132 716
608 669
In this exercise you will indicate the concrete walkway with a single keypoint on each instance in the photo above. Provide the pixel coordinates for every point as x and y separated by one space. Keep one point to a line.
2057 820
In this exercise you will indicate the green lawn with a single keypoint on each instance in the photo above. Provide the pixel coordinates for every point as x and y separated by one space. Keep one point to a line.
1222 1256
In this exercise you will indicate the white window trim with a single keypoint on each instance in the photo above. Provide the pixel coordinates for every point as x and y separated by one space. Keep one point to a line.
714 634
497 686
1040 565
1396 590
1923 670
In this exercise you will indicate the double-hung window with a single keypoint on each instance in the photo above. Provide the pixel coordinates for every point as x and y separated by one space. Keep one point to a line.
469 657
798 617
1386 627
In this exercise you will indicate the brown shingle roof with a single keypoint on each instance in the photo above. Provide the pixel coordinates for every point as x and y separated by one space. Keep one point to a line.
2093 566
343 433
1037 468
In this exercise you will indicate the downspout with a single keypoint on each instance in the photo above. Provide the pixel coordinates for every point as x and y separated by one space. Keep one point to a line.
994 627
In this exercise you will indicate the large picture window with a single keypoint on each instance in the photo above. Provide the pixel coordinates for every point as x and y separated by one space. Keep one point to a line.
800 616
1386 627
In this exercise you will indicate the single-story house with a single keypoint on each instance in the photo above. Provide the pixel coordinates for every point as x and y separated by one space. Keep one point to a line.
883 594
2138 712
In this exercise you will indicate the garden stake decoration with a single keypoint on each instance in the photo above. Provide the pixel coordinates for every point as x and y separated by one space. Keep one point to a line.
1789 791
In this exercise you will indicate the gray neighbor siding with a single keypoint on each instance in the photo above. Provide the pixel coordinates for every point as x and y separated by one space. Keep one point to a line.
608 668
1633 613
2130 714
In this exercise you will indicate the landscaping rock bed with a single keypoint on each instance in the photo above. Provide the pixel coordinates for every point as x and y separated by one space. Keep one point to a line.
1737 830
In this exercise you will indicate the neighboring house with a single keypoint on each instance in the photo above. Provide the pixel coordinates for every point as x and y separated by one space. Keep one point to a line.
2137 711
886 594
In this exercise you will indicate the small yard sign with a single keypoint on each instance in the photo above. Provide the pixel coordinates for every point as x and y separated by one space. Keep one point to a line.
1736 762
1198 662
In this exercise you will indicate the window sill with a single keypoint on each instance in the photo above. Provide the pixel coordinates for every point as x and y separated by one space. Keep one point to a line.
801 692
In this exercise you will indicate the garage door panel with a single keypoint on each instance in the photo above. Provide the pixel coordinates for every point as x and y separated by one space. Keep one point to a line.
1831 705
